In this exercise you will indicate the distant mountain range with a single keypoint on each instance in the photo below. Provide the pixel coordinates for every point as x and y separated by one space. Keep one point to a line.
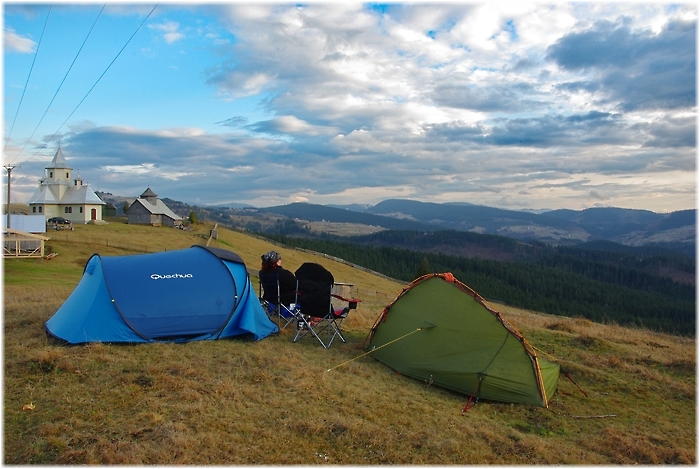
676 230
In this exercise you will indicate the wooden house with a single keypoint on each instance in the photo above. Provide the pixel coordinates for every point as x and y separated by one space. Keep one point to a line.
148 209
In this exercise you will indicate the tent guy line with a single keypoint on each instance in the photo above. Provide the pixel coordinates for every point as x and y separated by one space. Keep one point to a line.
374 349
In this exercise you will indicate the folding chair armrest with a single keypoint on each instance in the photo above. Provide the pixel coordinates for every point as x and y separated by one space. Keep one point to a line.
352 302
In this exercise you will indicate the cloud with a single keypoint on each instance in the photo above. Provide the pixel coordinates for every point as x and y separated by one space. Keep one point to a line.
511 98
526 105
237 121
597 195
291 125
672 132
170 31
571 130
636 70
16 43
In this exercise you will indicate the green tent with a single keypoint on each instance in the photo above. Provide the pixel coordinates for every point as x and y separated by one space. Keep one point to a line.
441 331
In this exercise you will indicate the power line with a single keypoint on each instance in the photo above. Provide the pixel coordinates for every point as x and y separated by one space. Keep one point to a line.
61 84
103 73
28 76
98 80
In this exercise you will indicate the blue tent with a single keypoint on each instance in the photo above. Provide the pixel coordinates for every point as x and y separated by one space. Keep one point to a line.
199 293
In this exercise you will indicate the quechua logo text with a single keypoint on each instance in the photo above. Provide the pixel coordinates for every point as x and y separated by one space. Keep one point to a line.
170 276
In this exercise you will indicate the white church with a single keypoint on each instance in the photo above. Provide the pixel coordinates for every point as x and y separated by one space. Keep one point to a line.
59 195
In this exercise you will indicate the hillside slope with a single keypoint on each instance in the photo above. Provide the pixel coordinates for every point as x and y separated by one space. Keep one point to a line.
275 402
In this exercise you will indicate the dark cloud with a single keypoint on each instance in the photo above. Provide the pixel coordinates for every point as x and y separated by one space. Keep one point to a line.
237 121
671 133
597 117
574 130
494 97
576 86
594 194
637 69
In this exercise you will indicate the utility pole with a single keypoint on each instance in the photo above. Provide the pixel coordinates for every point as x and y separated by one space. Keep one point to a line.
9 169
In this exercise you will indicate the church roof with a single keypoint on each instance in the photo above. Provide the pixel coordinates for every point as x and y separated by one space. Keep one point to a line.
58 161
43 195
72 195
81 195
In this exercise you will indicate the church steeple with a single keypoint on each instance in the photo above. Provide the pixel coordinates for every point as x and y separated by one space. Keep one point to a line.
58 170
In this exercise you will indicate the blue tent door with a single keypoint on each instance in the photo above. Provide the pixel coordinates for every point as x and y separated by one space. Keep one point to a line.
176 294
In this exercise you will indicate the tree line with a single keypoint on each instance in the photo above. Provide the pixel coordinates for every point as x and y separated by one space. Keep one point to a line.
562 281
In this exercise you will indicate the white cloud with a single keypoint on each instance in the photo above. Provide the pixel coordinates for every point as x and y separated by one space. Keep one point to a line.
16 43
144 168
170 31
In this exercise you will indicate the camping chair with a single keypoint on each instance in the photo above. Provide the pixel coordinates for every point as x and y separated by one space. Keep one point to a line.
317 316
276 311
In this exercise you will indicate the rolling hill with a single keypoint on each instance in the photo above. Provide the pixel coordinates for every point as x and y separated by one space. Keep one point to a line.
675 231
630 399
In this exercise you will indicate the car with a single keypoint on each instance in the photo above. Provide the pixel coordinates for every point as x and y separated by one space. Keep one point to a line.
58 221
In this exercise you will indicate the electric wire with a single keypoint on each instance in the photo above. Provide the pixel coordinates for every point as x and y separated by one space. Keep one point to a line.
61 84
28 76
97 81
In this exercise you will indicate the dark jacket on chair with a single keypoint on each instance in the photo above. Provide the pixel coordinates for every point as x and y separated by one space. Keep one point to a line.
287 284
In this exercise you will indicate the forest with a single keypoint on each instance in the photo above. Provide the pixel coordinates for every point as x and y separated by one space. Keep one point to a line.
602 282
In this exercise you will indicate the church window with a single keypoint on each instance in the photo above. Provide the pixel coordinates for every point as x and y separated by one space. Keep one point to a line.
41 209
81 209
33 209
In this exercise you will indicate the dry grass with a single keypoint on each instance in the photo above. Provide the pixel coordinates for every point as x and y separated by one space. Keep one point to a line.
274 402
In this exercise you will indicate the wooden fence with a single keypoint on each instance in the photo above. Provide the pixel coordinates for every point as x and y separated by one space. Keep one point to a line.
72 238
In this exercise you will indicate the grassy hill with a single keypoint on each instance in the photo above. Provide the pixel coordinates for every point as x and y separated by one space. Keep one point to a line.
274 402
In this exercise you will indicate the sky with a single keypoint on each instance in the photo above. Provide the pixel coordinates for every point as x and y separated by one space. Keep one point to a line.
506 104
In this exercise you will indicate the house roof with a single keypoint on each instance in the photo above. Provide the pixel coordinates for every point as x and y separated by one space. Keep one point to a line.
158 208
149 193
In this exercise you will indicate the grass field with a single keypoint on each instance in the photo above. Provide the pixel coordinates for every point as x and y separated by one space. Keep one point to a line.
274 402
